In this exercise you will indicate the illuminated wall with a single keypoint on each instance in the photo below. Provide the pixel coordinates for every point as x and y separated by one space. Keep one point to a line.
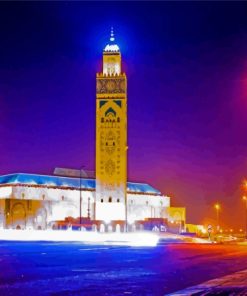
143 206
111 136
37 206
175 214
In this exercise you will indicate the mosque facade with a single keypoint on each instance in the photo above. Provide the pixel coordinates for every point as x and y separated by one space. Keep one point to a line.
38 201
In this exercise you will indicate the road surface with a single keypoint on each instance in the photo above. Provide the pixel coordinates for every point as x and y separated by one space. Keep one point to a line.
76 269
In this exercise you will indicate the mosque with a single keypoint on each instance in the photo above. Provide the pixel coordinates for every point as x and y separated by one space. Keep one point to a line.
33 201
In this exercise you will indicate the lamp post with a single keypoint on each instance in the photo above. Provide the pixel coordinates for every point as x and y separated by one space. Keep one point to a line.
125 210
80 195
125 194
80 198
88 208
245 200
217 208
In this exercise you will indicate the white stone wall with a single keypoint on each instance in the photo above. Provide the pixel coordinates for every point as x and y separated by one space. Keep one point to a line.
109 211
63 203
5 192
142 199
146 206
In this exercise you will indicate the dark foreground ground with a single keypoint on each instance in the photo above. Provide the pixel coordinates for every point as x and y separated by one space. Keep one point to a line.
77 269
232 284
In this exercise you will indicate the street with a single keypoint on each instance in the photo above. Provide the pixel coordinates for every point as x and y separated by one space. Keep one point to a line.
76 269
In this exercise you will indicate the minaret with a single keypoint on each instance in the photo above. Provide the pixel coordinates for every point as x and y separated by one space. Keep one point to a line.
111 136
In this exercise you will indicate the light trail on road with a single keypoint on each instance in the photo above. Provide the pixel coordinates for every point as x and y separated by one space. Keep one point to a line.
77 269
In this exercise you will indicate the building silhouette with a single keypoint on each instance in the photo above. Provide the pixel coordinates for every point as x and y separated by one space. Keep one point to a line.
106 201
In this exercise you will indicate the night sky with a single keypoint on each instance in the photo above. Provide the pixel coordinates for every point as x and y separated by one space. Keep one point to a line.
186 65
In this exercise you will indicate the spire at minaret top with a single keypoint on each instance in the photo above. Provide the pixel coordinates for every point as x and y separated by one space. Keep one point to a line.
112 46
112 38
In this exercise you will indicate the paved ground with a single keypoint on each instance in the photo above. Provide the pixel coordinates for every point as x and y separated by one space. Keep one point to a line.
77 269
233 284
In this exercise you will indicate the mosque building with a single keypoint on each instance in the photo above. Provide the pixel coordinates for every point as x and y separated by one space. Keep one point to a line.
38 201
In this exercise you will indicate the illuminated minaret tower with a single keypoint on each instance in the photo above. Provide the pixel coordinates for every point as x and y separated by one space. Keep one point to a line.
111 136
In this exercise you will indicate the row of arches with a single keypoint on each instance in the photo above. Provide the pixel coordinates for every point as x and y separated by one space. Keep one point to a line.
114 228
18 218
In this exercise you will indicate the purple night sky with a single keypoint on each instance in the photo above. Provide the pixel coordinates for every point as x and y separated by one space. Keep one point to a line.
186 65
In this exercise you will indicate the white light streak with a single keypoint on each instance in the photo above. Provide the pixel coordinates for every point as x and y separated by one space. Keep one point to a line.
135 239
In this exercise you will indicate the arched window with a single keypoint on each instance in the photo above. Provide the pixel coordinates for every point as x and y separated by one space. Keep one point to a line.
101 200
102 119
110 199
118 119
118 200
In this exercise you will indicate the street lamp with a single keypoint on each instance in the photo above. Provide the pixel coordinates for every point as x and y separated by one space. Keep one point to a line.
217 208
245 200
125 194
88 208
80 195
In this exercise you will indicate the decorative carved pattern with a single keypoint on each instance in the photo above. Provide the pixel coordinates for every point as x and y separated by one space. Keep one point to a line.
110 149
110 167
110 142
111 86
